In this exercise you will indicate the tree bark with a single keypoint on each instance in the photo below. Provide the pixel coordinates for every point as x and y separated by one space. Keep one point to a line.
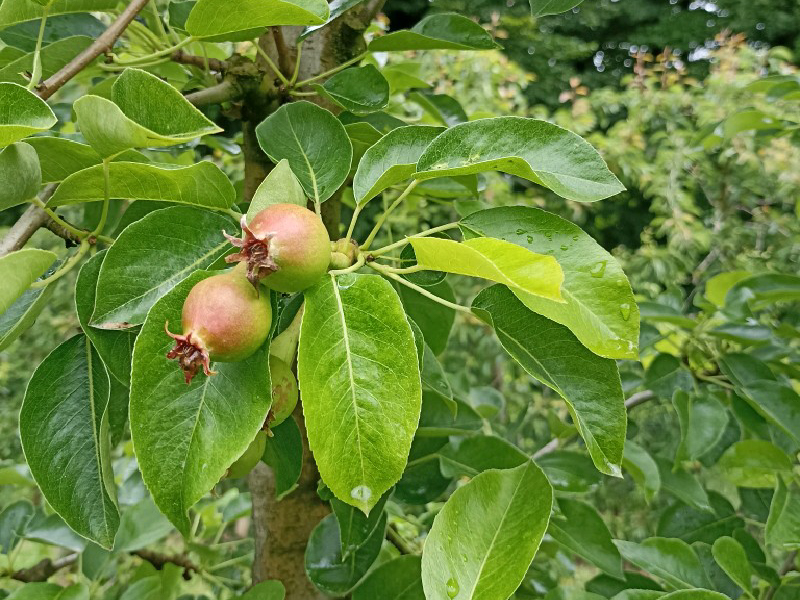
282 529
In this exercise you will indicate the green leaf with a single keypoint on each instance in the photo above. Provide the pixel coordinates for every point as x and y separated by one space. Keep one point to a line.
543 8
730 555
22 113
202 184
398 579
654 312
669 559
141 525
696 594
393 159
266 590
569 471
337 8
284 453
486 400
325 566
279 187
703 421
695 525
53 58
438 420
355 528
550 352
535 150
434 378
486 535
114 347
434 320
581 530
135 273
359 90
761 291
19 270
14 518
474 455
783 524
611 587
495 260
446 31
64 433
359 427
754 464
666 374
718 286
600 308
313 141
644 470
61 157
214 17
443 108
19 11
186 437
20 164
25 35
775 401
363 136
54 531
682 484
144 112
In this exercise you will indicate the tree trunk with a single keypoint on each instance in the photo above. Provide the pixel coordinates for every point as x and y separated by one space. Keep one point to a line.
282 529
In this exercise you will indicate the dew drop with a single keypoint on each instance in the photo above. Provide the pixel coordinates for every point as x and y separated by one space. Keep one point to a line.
345 281
548 235
530 239
564 247
362 493
452 588
575 238
599 269
625 309
521 232
464 558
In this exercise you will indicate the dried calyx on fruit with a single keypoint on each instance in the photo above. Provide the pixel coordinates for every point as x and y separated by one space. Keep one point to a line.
284 391
224 319
285 246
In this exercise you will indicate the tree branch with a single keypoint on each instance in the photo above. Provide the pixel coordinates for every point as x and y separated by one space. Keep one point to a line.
101 45
632 402
217 94
179 56
30 221
44 569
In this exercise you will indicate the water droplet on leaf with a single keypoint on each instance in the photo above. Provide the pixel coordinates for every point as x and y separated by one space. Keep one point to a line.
575 238
599 269
345 281
530 239
362 493
452 588
521 232
564 247
625 309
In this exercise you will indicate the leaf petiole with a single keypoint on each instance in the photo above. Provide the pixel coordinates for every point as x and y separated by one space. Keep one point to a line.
404 241
333 71
421 290
387 212
36 75
271 64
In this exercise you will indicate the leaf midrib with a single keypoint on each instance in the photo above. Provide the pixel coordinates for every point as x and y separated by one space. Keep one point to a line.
348 352
496 533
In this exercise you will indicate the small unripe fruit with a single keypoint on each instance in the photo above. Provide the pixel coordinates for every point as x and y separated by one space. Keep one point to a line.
284 391
224 319
343 253
285 246
248 461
